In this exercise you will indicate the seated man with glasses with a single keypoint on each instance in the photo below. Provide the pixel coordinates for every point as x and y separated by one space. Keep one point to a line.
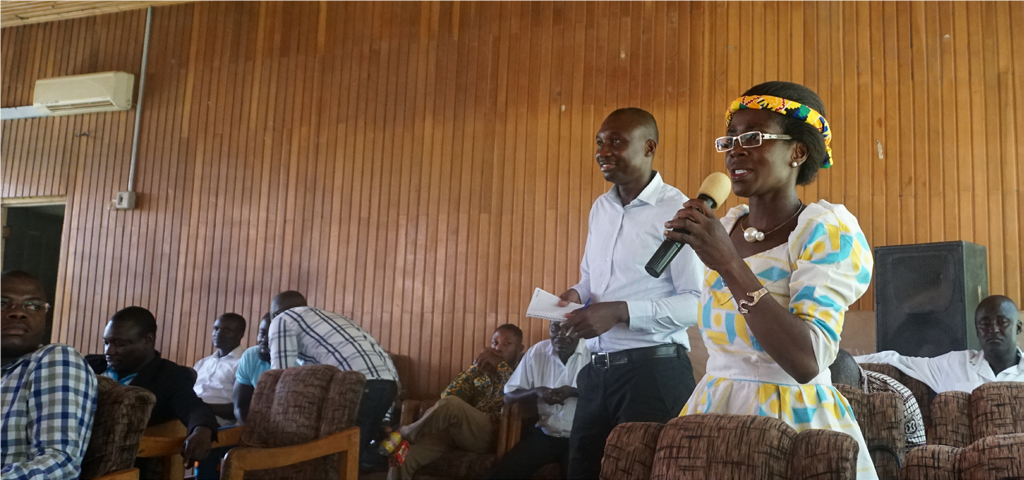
997 321
48 393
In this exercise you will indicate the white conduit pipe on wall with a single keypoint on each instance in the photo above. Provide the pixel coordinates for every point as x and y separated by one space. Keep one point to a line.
138 104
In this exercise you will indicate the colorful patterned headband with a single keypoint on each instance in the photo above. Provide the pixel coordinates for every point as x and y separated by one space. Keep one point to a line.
788 108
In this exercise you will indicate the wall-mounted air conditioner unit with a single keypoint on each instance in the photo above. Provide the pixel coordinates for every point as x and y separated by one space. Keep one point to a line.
93 92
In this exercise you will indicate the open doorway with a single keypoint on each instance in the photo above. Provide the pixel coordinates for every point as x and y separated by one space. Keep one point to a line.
31 242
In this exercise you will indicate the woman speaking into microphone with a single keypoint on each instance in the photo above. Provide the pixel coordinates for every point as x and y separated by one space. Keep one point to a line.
780 273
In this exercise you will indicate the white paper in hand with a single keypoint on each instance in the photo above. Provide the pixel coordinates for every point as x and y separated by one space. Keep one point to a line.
545 305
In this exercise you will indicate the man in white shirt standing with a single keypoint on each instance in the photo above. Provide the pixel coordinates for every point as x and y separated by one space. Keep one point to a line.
997 321
215 375
545 381
634 324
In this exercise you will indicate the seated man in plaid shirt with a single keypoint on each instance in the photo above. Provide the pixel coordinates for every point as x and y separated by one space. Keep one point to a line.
846 371
48 391
467 415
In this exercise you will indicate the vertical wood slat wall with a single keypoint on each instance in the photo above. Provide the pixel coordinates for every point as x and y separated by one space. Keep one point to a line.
421 167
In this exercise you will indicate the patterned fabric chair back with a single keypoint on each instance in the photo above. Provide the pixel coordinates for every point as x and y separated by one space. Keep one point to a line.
298 405
880 416
629 452
998 457
997 408
727 446
951 420
122 413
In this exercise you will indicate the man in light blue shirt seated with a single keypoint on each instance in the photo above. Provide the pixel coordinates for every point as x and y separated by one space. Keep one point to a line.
253 363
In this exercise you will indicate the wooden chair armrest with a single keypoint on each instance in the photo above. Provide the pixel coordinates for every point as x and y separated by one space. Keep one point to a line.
129 474
511 427
241 459
229 437
409 410
168 449
160 446
172 428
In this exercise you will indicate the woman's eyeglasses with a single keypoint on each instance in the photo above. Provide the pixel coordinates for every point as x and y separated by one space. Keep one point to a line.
746 140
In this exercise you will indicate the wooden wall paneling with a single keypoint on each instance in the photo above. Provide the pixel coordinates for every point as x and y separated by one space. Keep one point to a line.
1013 85
390 131
994 142
978 152
1008 140
326 95
411 165
931 193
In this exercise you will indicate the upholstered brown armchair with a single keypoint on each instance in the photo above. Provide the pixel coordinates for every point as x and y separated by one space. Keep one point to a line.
300 426
121 416
996 457
726 446
880 416
995 408
465 465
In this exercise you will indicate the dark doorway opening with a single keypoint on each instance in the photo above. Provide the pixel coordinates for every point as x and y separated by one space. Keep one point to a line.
32 244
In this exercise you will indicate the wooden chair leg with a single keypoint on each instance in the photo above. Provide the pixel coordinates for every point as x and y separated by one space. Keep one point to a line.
348 464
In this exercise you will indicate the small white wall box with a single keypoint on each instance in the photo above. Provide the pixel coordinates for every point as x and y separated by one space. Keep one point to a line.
92 92
124 201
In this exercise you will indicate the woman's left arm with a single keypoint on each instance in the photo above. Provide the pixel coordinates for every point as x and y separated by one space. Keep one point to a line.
784 336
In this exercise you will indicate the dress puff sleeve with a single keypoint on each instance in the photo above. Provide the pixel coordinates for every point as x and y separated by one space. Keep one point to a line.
832 267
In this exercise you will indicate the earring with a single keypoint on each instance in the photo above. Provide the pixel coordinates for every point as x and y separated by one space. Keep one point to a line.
794 164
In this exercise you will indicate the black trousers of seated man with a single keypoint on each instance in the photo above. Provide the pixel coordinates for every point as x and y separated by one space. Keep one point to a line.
378 397
534 450
653 390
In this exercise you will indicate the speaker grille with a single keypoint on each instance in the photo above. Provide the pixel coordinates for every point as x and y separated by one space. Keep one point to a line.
924 305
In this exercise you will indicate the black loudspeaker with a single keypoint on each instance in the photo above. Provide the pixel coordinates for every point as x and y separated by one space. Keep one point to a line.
925 297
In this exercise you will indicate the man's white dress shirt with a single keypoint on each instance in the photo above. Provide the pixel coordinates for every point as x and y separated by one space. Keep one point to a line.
620 241
541 367
215 379
961 371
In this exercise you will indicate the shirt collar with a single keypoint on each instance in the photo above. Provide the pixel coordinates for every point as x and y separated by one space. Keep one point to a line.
580 347
236 353
978 358
649 195
20 360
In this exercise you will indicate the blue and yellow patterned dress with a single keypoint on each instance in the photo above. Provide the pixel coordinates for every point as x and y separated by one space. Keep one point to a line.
823 268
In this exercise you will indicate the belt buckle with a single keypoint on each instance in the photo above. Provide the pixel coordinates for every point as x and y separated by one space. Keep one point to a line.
600 360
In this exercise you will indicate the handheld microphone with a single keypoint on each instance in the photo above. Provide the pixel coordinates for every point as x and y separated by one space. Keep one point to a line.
713 192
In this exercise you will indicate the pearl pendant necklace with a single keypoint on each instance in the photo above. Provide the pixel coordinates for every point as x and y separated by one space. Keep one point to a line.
751 234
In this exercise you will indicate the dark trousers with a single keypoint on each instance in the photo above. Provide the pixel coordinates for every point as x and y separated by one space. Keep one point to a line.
652 390
209 467
533 451
378 397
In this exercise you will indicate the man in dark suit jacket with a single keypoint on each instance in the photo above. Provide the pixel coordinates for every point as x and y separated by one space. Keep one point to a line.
131 359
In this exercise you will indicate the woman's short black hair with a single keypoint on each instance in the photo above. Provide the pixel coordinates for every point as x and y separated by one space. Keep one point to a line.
801 131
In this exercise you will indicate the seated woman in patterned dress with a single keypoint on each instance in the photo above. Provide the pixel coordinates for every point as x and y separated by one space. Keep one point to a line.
780 274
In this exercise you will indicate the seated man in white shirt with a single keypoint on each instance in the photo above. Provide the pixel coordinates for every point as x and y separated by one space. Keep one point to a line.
215 379
997 321
545 380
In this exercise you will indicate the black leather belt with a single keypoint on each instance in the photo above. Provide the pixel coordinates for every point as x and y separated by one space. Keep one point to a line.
605 360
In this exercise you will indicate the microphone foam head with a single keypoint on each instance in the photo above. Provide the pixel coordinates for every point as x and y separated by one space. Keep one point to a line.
716 186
